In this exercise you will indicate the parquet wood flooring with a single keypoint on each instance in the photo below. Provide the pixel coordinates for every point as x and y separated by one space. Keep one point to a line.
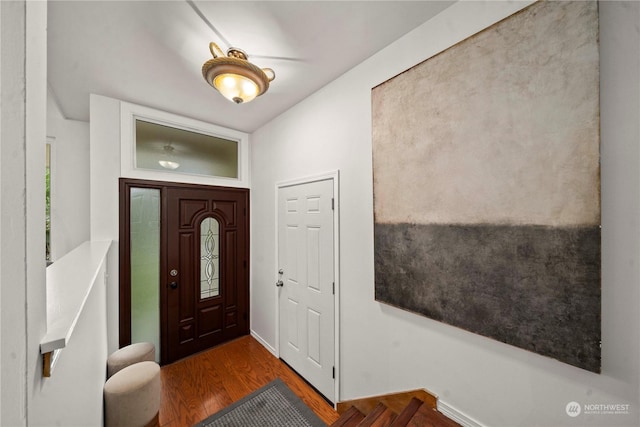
198 386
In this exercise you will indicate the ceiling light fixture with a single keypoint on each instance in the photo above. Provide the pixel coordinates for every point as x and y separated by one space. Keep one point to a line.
168 162
234 76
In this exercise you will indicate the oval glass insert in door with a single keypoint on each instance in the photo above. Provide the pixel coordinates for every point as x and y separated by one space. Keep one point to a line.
209 258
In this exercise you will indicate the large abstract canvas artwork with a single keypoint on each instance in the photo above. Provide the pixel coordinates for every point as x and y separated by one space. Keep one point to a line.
487 184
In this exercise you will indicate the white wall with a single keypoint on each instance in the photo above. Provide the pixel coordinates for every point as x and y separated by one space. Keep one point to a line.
35 125
1 193
69 183
12 221
22 266
72 396
104 173
26 397
384 349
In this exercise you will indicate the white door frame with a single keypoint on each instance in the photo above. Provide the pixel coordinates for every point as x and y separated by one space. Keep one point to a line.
335 177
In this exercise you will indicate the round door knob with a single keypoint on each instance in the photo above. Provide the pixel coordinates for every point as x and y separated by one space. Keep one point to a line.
173 285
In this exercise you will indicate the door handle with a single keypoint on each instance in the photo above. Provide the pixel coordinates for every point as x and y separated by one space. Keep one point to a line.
173 285
279 283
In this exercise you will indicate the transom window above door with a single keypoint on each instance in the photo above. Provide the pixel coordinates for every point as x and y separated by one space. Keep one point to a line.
171 149
161 146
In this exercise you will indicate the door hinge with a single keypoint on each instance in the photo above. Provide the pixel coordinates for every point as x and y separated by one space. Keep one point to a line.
333 373
333 204
244 316
244 263
245 211
334 287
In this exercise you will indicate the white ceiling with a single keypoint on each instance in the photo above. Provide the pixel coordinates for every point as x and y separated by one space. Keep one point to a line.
151 52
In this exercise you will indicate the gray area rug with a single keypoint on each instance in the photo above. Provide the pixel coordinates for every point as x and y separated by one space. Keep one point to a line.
274 405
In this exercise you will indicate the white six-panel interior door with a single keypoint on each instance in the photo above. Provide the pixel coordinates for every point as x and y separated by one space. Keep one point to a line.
306 264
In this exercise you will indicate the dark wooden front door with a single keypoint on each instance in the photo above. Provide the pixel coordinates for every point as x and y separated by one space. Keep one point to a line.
206 278
197 288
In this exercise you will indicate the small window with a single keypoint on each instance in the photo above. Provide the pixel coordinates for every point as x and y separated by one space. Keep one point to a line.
170 149
48 203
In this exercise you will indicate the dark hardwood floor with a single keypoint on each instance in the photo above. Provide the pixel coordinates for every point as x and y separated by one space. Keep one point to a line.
198 386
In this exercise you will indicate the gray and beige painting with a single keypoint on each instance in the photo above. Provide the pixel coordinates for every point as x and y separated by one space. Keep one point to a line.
487 184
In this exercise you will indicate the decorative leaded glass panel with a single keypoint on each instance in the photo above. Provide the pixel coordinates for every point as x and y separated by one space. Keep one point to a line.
209 258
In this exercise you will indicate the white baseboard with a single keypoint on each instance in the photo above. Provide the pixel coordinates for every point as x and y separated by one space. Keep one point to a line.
264 343
457 416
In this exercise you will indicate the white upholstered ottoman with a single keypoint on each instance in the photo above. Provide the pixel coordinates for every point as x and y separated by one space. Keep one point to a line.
128 355
132 396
